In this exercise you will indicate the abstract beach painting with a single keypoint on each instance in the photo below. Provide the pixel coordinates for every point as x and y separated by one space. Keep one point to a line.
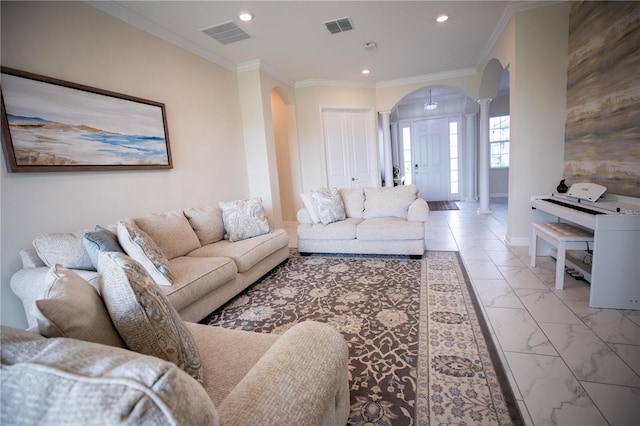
51 125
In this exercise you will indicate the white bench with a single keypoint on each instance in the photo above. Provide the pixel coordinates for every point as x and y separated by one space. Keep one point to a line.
563 237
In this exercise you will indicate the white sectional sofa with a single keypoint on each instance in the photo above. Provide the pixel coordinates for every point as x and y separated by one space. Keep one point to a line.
184 251
374 220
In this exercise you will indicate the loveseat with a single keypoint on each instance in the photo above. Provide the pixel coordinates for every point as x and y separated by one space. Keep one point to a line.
369 220
128 358
185 251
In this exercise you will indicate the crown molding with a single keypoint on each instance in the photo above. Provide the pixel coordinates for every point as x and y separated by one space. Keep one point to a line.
332 83
139 22
259 64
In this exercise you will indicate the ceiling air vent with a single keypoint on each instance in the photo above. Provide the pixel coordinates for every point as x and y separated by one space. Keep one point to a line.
226 33
339 25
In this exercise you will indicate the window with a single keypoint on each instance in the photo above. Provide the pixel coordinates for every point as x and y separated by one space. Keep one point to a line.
499 141
453 157
406 147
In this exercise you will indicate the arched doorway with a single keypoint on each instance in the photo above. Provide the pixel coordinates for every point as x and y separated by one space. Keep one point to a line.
433 142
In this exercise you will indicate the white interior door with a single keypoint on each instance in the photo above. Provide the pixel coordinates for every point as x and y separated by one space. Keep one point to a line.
430 153
349 149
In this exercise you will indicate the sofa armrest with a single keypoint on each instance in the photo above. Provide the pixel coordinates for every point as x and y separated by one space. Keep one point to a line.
30 258
301 380
303 216
418 211
31 284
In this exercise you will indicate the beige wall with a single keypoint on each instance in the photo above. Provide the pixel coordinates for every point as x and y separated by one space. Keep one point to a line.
75 42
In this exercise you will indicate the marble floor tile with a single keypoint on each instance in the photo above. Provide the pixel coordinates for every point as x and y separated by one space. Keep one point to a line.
474 253
493 245
517 331
620 405
551 393
588 357
544 305
482 269
609 324
497 294
505 258
629 354
521 277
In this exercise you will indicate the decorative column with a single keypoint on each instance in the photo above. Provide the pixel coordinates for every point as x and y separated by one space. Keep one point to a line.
386 141
470 190
483 157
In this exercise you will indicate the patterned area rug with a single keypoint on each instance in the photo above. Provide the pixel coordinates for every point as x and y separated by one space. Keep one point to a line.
418 352
442 205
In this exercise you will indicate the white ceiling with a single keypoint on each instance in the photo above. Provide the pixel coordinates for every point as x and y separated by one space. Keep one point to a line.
289 39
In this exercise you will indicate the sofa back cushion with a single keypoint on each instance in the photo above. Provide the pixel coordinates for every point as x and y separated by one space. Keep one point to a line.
65 249
389 201
71 307
171 231
68 381
353 200
206 223
143 316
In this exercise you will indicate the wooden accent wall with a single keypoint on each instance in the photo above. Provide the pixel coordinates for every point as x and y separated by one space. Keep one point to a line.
602 132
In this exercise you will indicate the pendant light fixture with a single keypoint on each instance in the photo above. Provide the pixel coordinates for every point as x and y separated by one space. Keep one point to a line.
431 105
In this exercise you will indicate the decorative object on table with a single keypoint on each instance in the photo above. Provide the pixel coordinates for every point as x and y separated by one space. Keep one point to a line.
562 187
51 125
416 338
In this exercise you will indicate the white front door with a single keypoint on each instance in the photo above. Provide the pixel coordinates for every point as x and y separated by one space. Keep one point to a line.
349 148
430 153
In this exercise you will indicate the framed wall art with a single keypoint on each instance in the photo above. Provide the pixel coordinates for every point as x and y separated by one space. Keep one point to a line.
51 125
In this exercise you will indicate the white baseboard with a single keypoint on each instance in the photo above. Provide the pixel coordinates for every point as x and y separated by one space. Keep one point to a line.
520 241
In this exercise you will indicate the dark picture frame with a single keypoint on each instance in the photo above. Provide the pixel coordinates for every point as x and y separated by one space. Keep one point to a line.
51 125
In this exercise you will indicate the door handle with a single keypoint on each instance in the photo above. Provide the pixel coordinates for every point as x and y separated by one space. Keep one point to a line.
354 179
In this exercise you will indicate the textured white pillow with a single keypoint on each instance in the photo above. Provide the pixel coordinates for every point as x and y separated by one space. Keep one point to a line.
143 316
66 249
328 204
244 219
311 209
137 244
73 308
389 201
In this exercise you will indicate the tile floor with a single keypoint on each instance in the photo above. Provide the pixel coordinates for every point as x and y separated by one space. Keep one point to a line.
568 364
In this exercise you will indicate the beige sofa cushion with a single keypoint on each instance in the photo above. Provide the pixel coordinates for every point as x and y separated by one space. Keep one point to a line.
65 249
389 201
246 253
343 230
139 245
206 223
196 277
353 200
171 231
143 316
390 229
67 381
308 205
73 308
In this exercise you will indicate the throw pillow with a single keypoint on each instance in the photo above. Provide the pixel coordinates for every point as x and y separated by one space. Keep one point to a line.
143 316
66 249
73 308
137 244
311 209
244 219
328 204
100 239
207 223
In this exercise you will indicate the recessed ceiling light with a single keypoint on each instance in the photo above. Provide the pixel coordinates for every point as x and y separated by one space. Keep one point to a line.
442 18
245 16
365 71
